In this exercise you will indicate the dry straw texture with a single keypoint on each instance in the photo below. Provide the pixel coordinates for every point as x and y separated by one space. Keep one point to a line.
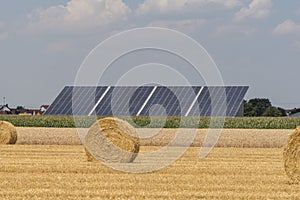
59 172
112 140
239 138
8 133
292 156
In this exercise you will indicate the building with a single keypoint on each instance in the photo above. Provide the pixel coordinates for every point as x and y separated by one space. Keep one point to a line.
293 112
20 110
44 108
5 110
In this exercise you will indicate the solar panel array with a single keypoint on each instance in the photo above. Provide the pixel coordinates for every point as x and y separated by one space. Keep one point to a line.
149 100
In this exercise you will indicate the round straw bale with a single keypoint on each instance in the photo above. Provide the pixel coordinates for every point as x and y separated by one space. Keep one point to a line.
90 157
291 156
8 133
112 140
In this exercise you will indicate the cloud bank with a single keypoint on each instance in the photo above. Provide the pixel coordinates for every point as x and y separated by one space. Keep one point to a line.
79 14
171 6
257 9
287 27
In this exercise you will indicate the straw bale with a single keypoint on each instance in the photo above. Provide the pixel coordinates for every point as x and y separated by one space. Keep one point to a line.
8 133
291 156
112 140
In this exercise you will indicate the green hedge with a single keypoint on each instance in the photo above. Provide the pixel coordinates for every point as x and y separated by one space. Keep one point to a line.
157 122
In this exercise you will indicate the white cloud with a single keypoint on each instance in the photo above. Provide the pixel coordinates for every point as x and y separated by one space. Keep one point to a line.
79 14
187 26
257 9
170 6
287 27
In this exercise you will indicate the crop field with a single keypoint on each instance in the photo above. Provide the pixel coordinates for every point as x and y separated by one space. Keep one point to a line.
54 171
157 122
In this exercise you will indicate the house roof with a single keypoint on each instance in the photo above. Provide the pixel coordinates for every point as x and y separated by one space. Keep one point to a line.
293 112
295 115
45 106
4 108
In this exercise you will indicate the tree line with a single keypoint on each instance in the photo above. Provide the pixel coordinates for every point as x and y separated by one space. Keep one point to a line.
262 107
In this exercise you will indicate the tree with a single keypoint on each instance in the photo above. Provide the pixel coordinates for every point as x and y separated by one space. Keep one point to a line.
20 108
283 112
272 112
249 110
260 105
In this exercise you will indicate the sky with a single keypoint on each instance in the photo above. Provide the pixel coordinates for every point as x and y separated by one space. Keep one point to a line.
253 42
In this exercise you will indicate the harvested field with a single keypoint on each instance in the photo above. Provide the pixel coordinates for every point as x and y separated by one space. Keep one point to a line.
249 138
61 172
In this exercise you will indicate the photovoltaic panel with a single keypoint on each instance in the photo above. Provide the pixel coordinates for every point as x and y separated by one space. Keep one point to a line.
85 98
172 101
218 100
149 100
202 102
166 99
76 104
185 96
60 103
234 96
104 107
123 101
138 99
237 98
119 94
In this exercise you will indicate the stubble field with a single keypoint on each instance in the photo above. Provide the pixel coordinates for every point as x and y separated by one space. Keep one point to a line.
54 171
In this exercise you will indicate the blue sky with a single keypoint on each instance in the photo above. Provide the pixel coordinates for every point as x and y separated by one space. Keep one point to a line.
253 42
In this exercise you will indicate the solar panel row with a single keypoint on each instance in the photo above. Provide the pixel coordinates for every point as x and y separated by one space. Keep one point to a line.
149 100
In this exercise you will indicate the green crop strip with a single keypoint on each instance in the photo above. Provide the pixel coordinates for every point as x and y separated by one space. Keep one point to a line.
157 122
